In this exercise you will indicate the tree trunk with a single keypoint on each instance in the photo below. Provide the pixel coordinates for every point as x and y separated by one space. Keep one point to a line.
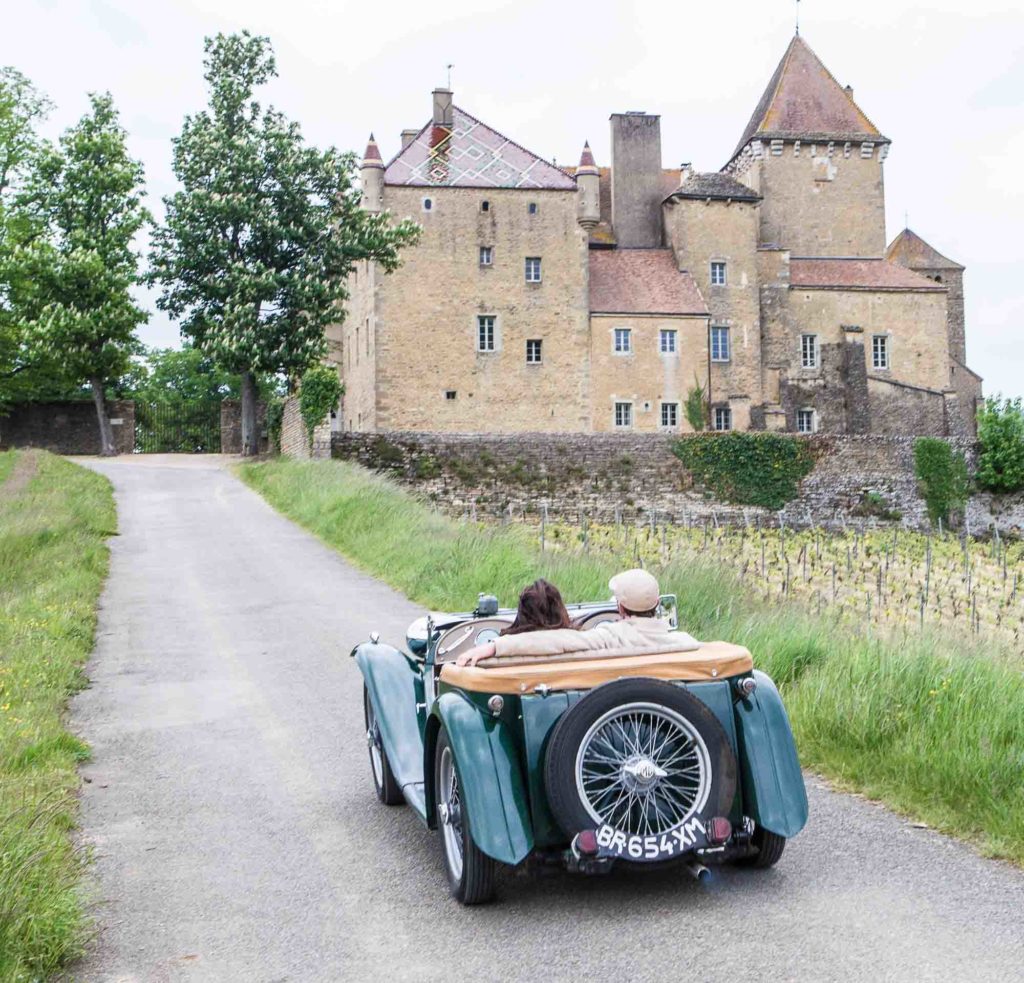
250 432
107 448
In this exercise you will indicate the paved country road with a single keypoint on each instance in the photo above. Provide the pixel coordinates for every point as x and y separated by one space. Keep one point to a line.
236 835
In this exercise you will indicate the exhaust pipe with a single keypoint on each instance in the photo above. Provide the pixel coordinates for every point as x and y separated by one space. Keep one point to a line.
698 871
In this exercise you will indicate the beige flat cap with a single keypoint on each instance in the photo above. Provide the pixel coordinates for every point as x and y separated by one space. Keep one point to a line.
635 590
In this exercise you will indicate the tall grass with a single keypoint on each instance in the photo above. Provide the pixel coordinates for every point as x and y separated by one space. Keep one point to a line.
52 564
929 727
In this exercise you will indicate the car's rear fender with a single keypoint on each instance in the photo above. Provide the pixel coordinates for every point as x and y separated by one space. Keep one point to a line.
395 687
774 795
490 777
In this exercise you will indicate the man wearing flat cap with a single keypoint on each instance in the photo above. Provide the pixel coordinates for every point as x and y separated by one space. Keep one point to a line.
637 595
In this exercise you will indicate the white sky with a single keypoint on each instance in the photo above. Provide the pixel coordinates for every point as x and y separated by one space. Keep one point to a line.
944 79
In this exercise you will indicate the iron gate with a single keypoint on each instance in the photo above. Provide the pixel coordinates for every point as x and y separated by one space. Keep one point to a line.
178 427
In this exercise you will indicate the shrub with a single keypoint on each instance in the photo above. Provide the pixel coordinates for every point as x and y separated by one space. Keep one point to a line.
319 393
747 468
1001 435
696 406
942 477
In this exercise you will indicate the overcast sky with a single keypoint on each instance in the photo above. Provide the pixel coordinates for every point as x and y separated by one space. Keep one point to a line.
944 79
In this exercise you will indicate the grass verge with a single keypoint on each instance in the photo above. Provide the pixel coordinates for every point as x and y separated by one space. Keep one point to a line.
927 726
53 561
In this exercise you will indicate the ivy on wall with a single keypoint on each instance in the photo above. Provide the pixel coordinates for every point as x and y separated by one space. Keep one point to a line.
942 477
747 468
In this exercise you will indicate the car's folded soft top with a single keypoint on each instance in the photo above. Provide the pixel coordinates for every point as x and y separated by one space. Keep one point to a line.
584 670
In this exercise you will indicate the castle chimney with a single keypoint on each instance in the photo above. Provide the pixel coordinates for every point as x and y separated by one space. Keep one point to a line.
408 136
685 172
371 177
636 179
588 185
443 108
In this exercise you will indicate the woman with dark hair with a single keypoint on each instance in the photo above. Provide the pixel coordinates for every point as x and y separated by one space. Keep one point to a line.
541 608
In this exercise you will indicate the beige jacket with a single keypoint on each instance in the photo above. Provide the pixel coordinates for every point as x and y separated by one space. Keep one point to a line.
612 638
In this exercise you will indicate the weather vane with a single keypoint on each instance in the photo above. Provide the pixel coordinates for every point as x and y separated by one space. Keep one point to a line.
798 17
450 67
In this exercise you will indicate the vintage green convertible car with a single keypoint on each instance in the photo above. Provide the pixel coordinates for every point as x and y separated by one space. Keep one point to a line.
579 761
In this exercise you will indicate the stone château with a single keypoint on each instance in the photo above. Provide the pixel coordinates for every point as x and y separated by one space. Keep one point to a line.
597 299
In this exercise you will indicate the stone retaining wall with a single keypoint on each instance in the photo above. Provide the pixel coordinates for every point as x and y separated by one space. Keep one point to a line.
629 476
67 427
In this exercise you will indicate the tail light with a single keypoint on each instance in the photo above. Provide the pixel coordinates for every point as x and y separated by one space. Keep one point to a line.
586 842
719 830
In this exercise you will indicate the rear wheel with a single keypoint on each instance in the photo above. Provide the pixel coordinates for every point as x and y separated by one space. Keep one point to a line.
384 782
769 848
470 871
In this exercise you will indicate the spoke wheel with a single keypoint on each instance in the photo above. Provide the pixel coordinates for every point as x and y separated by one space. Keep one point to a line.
642 756
470 871
642 768
384 782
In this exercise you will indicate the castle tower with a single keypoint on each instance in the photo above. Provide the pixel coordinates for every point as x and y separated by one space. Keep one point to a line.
816 159
371 175
910 250
588 181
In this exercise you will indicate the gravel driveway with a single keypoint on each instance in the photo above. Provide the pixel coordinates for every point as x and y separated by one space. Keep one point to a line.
236 835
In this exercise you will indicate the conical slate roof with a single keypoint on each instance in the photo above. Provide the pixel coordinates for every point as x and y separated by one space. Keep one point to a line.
372 156
910 250
804 101
471 155
586 164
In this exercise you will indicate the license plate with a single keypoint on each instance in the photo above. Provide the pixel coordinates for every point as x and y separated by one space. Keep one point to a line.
687 836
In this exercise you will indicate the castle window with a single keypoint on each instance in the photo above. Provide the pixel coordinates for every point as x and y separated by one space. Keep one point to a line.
485 337
533 349
532 208
670 415
486 255
428 204
623 341
533 269
806 421
449 394
667 342
880 351
809 351
485 206
723 418
718 274
623 414
719 344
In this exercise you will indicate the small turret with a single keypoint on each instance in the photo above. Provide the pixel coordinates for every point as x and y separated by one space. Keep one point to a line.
371 174
588 182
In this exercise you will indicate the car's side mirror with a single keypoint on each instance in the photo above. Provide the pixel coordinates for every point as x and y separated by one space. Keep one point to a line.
667 610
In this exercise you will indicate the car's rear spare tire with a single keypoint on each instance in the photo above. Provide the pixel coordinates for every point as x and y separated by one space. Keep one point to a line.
643 761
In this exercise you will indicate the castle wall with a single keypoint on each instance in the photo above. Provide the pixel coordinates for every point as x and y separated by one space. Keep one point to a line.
352 347
645 377
818 203
426 327
701 232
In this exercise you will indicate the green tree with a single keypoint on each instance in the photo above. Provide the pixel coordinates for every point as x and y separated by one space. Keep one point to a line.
85 198
696 406
319 394
1001 436
942 476
258 243
22 109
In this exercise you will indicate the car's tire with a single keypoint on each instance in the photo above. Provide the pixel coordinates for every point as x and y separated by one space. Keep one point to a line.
701 780
470 871
769 848
384 782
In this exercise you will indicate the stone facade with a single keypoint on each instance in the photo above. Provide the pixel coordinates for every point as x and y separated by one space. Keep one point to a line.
67 427
295 438
627 477
791 312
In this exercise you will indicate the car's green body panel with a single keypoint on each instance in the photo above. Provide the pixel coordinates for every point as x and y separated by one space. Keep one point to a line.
490 778
500 759
395 684
773 787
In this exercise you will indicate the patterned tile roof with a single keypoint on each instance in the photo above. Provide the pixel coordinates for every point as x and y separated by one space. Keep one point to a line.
471 155
803 100
714 185
910 250
641 281
856 274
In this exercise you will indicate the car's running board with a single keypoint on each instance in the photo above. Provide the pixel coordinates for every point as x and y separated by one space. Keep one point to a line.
416 798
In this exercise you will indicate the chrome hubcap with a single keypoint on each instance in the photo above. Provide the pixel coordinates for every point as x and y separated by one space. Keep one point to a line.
643 769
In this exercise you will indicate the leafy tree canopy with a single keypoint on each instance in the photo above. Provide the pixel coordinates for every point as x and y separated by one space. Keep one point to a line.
1001 435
